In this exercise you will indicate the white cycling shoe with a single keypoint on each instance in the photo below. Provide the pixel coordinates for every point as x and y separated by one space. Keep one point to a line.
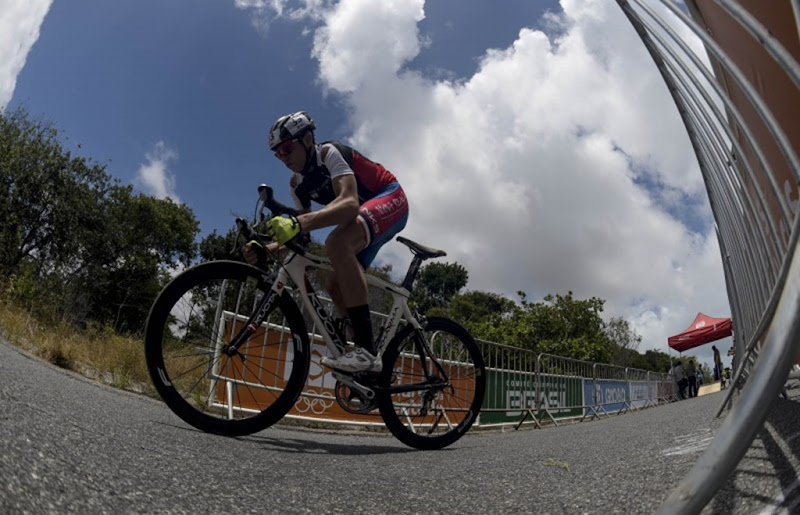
357 360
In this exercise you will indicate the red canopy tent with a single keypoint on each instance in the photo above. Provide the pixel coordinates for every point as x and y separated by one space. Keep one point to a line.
704 329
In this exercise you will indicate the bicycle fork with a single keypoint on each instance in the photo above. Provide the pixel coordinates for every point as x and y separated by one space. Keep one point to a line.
265 307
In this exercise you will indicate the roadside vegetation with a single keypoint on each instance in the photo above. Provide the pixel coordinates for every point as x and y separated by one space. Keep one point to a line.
83 257
94 352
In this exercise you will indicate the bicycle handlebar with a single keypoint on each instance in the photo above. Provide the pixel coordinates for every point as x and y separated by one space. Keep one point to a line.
266 199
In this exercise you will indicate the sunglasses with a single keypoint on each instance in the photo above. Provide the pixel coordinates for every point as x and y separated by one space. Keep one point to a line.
284 149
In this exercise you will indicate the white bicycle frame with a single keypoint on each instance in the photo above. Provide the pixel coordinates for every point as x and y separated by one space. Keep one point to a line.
294 267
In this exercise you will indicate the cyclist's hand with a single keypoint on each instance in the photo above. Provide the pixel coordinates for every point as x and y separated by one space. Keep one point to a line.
282 228
254 253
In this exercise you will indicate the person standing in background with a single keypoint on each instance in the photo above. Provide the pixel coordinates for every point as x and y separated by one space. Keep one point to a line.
691 372
699 375
679 379
717 364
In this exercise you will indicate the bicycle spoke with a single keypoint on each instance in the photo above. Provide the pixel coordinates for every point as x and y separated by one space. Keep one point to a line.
435 384
198 315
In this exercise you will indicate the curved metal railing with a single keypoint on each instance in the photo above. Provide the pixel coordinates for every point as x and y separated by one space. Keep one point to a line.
751 169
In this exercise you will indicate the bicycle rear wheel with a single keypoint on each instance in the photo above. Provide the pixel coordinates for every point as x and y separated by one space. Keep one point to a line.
424 405
188 329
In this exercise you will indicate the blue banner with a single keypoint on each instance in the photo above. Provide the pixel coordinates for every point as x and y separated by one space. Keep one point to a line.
608 394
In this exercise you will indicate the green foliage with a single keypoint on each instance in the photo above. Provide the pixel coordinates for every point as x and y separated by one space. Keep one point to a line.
657 361
49 197
625 342
379 299
215 246
436 284
125 269
475 307
581 347
75 244
560 324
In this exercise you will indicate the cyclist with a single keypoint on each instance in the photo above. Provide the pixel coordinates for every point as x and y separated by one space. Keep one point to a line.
360 198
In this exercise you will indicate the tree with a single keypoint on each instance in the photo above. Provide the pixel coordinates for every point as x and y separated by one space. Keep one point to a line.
76 243
216 246
581 347
436 284
147 241
657 361
51 202
478 306
625 341
560 325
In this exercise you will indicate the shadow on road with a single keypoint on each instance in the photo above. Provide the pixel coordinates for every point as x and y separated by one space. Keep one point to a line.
774 453
311 446
308 445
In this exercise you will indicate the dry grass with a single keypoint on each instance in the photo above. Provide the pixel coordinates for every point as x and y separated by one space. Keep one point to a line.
96 352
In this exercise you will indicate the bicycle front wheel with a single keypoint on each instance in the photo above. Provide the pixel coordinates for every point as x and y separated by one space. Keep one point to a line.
188 330
432 384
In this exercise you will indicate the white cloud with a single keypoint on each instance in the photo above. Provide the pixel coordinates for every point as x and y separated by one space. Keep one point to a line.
350 54
531 172
154 177
20 21
263 12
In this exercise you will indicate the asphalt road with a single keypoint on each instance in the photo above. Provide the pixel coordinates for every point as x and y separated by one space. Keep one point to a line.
70 445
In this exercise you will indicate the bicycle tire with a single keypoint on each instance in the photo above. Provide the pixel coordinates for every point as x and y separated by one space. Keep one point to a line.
403 412
193 318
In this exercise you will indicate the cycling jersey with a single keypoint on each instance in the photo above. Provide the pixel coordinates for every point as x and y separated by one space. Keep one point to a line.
383 208
332 160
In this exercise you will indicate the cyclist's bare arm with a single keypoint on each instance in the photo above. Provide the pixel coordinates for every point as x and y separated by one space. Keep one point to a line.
342 210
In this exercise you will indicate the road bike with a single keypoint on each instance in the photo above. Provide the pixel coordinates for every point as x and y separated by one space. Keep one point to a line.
228 348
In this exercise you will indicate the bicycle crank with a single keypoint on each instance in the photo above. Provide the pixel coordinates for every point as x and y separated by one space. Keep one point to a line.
353 396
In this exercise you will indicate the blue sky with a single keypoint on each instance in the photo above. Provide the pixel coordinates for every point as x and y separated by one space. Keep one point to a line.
534 139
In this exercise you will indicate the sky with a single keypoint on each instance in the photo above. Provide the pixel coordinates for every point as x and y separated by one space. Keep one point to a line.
535 140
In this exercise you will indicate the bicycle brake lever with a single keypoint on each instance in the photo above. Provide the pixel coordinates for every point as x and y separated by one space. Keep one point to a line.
266 196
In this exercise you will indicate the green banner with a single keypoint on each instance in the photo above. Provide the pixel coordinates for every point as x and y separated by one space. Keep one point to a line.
509 394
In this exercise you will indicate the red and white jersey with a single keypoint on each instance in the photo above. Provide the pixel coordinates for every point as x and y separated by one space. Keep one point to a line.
332 160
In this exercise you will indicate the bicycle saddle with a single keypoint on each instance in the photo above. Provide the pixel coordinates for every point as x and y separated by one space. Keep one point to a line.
421 250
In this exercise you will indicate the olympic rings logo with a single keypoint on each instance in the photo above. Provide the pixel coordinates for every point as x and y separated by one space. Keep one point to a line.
316 403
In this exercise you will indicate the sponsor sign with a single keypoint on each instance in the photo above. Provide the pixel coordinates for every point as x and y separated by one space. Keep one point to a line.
641 392
509 394
270 360
609 394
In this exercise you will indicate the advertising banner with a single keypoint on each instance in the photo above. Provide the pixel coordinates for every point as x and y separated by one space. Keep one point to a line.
609 394
509 394
273 357
270 354
642 392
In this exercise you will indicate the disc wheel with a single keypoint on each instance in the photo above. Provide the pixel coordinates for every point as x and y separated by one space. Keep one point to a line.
188 331
425 405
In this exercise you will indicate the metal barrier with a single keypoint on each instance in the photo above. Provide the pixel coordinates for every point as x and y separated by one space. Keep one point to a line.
562 382
610 392
522 386
512 390
742 115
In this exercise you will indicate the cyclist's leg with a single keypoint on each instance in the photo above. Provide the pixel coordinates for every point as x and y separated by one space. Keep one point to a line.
332 287
352 248
348 282
382 217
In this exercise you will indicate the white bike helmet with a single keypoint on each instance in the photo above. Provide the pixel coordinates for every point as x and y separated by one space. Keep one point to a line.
289 127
